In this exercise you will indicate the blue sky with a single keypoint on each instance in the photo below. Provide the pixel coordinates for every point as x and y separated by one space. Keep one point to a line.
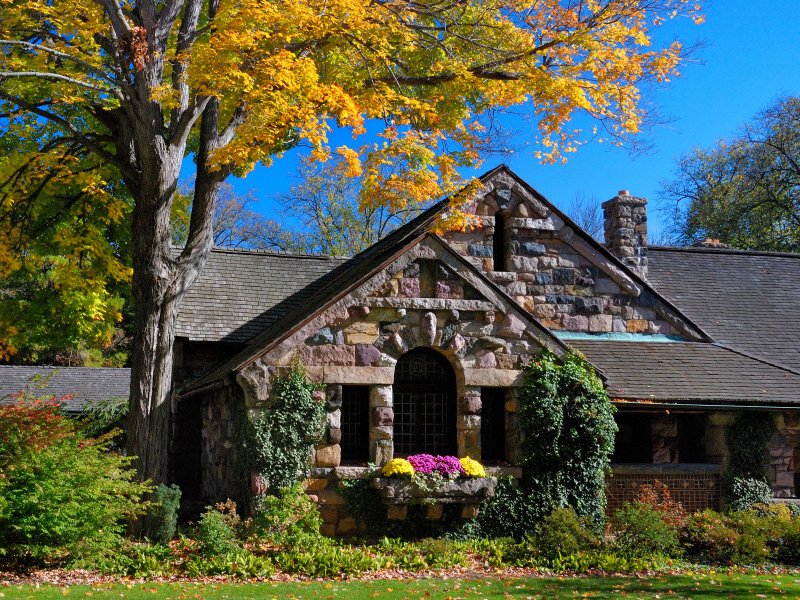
751 56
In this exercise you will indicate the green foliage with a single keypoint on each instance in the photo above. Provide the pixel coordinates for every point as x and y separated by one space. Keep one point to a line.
132 559
162 516
749 537
287 518
568 425
744 191
237 563
508 513
101 416
61 493
641 530
562 533
282 438
217 530
327 559
747 438
746 492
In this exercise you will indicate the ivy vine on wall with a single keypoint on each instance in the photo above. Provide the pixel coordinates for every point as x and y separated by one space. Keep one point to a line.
567 422
282 438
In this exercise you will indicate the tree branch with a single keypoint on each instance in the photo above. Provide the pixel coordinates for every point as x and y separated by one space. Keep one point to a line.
57 77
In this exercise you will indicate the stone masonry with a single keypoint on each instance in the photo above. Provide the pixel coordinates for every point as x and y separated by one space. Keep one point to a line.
563 279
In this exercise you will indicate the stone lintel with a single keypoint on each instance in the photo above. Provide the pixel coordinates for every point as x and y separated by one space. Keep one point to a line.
352 375
430 304
493 377
538 224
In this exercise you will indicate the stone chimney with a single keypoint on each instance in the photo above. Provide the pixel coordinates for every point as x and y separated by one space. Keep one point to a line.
625 219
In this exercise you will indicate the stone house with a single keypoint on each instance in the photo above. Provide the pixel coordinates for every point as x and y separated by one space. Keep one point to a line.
421 339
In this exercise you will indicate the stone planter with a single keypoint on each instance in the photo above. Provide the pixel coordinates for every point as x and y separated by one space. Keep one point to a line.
398 494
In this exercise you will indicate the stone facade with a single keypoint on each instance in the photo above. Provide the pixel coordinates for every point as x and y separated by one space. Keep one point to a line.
564 279
438 295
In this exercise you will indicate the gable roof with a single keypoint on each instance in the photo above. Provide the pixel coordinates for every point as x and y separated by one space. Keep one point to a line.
744 300
240 293
349 276
689 372
84 384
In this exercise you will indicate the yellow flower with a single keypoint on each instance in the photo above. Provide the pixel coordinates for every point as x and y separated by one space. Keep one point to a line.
398 467
472 468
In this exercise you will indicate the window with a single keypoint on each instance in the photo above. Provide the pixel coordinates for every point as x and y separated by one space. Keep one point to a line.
355 423
691 442
424 404
634 443
493 425
499 243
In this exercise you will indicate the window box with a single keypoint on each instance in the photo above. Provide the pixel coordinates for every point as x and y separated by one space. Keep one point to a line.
431 491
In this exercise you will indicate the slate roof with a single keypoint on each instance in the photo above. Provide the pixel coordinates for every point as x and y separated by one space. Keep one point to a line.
85 384
745 300
242 292
689 372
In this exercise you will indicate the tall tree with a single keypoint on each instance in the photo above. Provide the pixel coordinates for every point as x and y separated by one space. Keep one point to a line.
141 83
746 190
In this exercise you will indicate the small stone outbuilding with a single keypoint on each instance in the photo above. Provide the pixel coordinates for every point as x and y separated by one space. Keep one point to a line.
421 340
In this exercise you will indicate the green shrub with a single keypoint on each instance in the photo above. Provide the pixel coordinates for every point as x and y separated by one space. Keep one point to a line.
238 563
281 440
162 516
568 425
327 559
788 550
132 559
749 537
641 530
288 518
217 529
61 493
561 533
744 492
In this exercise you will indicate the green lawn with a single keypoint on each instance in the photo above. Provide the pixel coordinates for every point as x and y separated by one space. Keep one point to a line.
697 586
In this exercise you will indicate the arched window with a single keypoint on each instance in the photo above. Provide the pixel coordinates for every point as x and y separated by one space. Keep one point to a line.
424 404
499 243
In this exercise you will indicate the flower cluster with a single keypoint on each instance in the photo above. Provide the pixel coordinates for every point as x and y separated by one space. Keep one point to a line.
398 467
472 468
426 464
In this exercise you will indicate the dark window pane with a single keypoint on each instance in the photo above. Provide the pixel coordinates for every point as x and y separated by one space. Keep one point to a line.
493 424
691 438
355 423
633 443
499 243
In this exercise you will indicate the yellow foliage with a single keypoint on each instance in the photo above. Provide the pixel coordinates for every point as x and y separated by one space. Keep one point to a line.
287 72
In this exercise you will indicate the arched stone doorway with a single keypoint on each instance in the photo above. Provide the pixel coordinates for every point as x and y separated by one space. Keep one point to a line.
424 404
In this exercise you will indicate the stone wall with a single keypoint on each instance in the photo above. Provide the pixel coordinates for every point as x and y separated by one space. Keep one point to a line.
560 277
222 463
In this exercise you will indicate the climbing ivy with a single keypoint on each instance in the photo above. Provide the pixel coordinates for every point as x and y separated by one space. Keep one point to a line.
747 437
282 438
567 422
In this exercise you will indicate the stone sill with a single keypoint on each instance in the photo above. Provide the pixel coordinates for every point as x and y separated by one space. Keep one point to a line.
666 469
346 472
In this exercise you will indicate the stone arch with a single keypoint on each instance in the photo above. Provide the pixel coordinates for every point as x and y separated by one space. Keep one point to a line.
425 399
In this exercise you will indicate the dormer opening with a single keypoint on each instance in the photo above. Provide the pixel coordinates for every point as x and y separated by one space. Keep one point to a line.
499 243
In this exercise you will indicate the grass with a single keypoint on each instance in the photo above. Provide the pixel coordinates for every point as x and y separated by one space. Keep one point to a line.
702 585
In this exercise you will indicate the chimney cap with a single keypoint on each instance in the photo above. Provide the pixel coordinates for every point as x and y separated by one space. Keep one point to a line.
623 193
